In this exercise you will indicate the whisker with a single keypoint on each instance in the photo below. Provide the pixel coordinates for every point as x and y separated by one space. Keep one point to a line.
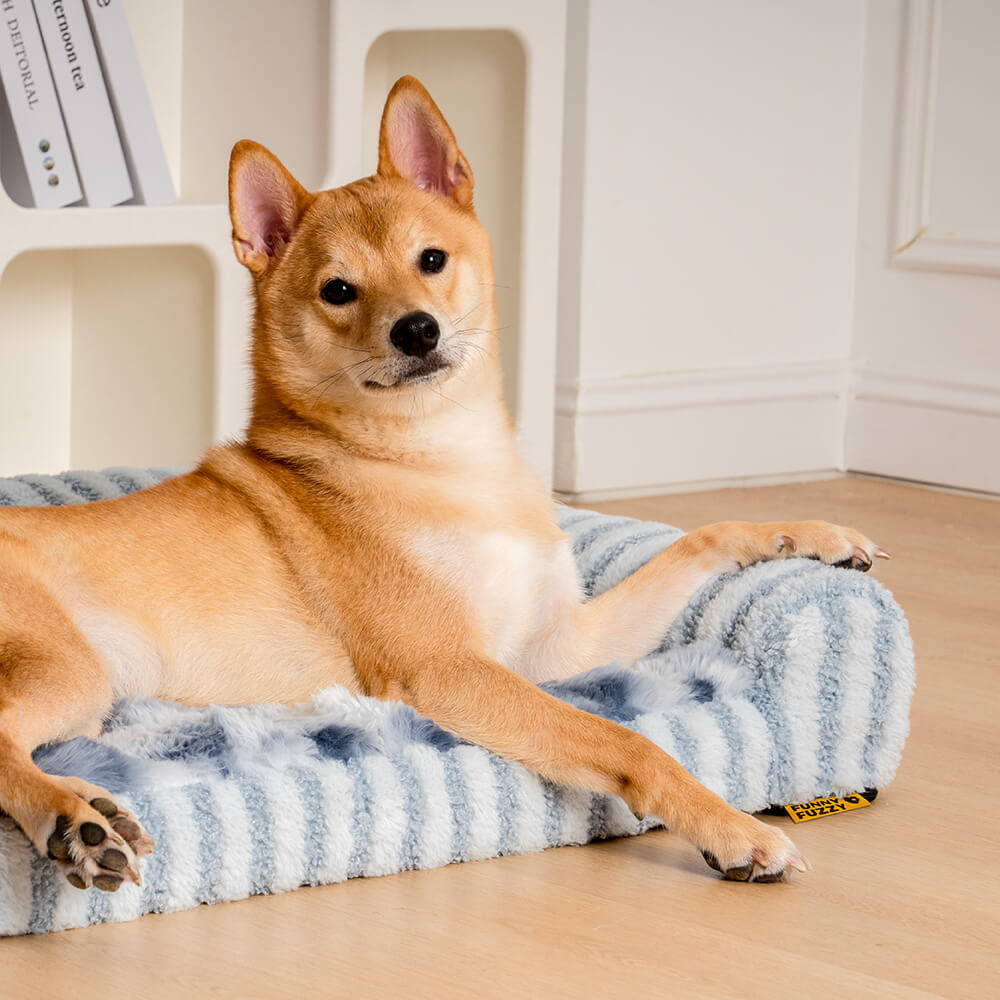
359 350
482 330
479 347
324 383
437 389
455 322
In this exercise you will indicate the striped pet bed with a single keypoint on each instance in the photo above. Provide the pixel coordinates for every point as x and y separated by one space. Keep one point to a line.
779 683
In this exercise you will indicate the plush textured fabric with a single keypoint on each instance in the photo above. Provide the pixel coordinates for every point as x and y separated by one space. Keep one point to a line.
781 682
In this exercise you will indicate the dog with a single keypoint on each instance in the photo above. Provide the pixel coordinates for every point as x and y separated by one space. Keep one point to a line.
375 528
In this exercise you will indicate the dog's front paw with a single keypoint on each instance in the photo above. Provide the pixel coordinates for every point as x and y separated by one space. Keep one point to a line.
751 851
832 544
96 843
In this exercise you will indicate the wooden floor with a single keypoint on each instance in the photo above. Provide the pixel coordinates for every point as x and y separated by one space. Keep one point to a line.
904 898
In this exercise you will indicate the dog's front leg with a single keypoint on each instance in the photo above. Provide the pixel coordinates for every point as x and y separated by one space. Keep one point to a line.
486 703
627 622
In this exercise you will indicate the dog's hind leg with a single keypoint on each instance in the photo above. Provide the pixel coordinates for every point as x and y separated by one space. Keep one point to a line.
53 686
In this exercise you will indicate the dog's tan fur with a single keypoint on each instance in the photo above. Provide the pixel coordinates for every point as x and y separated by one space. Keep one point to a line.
370 531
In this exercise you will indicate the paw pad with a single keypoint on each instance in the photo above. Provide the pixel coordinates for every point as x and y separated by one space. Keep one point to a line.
92 834
105 807
58 847
101 851
113 859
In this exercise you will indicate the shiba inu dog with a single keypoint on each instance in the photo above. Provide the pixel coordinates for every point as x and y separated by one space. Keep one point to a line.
375 528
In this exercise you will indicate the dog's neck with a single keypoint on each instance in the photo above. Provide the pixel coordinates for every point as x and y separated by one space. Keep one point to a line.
439 430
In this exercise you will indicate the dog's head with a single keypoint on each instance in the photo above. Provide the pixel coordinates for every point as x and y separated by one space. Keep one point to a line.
372 293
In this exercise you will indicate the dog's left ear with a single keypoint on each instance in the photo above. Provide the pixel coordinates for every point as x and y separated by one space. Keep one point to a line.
417 144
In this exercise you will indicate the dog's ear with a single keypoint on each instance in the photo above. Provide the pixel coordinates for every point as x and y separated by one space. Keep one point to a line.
265 204
417 144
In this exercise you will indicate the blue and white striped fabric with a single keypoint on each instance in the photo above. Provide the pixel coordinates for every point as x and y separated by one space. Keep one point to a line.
776 684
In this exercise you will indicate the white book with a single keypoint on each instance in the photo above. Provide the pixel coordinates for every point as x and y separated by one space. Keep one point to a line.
84 101
130 99
44 174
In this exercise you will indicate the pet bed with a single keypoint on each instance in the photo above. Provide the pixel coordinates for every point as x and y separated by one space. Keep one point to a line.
782 682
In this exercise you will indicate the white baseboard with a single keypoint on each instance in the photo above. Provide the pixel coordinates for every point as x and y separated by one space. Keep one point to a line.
628 436
656 432
925 429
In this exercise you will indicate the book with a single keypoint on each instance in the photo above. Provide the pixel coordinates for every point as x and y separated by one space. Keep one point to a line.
83 97
130 99
44 174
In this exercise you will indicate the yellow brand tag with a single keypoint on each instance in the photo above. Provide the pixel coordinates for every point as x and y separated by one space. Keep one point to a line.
802 812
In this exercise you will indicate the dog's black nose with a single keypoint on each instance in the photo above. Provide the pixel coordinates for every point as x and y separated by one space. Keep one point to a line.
416 334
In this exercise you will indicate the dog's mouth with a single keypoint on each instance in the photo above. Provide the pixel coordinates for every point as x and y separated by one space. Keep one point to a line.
426 371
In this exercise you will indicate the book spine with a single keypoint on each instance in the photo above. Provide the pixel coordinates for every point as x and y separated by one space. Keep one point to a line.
130 99
84 100
50 177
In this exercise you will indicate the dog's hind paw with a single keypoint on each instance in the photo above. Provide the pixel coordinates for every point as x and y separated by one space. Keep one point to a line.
96 843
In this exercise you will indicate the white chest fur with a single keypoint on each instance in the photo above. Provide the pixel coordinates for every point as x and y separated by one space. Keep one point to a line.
517 587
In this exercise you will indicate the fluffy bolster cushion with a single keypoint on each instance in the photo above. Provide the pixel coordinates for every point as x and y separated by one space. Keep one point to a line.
776 684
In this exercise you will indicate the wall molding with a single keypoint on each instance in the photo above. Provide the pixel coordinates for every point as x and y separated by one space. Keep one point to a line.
667 390
923 428
657 431
771 423
916 244
929 393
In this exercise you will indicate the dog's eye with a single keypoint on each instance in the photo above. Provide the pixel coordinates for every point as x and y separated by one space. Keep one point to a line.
338 292
432 261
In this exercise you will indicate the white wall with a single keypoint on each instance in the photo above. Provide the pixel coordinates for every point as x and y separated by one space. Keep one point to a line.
715 171
721 163
781 243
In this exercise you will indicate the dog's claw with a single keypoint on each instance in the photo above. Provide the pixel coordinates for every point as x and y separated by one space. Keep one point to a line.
786 542
796 861
858 559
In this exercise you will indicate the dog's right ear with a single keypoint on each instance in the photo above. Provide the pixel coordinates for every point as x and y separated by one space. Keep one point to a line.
266 204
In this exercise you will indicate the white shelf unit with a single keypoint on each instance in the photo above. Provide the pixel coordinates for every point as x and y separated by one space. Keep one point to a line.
123 332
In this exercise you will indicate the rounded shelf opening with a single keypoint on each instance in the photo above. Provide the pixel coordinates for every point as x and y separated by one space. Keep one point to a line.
108 358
